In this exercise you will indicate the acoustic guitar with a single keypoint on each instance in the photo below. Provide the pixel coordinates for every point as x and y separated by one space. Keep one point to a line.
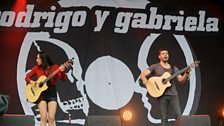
156 86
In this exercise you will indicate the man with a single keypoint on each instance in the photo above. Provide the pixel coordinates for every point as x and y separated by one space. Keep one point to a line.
170 96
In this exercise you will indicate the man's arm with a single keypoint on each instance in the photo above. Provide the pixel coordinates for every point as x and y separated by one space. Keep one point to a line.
184 77
143 76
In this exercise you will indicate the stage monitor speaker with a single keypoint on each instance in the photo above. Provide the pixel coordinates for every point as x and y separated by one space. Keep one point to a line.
194 120
103 121
4 104
16 120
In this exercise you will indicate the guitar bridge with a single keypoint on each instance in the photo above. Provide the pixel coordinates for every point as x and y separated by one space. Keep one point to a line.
32 91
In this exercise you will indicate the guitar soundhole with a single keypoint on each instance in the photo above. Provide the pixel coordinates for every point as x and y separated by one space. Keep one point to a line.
164 81
41 84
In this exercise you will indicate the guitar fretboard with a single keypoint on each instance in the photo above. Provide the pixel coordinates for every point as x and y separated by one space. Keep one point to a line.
177 73
195 64
51 75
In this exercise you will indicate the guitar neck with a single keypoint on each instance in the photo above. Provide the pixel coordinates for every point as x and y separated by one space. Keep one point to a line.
56 71
177 73
51 75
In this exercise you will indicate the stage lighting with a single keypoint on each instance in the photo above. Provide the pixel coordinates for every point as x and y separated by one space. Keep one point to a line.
221 114
127 115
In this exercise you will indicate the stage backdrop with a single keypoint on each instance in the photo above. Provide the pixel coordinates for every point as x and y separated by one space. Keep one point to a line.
111 42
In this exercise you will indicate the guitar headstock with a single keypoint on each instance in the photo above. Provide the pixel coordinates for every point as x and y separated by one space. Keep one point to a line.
195 64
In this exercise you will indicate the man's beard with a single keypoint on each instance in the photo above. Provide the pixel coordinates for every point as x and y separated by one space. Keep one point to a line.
165 59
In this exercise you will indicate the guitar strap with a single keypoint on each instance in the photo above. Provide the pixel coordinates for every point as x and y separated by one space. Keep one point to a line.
172 72
50 72
172 69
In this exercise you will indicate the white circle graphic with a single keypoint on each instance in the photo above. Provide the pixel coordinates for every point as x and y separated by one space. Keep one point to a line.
109 83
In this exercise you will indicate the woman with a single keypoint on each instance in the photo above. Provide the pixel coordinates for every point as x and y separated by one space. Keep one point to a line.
47 102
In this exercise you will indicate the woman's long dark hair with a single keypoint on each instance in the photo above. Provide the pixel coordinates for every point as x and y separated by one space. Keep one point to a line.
46 60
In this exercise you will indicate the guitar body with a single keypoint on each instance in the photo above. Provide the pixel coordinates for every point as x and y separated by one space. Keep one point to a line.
33 93
156 85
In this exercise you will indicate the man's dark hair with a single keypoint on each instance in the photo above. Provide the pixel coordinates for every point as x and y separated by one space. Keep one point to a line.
162 49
